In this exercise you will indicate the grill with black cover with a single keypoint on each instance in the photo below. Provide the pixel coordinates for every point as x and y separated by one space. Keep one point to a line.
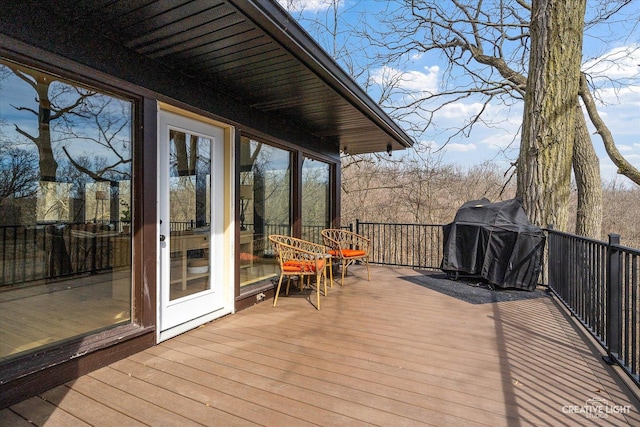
495 242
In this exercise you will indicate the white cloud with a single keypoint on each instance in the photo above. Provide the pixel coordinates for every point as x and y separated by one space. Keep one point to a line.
460 148
426 145
631 153
460 110
633 157
618 63
414 81
628 95
501 141
307 5
608 171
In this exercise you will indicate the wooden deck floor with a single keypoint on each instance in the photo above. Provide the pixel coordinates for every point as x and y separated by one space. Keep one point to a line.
389 352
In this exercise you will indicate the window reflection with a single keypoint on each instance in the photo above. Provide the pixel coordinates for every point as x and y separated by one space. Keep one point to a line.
265 207
315 199
190 210
65 210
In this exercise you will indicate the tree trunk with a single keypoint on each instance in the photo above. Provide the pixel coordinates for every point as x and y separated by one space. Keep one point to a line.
586 168
546 148
48 163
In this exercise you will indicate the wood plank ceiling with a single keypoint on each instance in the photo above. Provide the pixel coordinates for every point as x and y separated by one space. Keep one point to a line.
254 52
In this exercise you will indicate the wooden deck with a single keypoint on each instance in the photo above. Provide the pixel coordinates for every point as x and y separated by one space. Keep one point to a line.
389 352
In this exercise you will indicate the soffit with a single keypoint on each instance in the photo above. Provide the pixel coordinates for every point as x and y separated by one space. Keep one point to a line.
252 51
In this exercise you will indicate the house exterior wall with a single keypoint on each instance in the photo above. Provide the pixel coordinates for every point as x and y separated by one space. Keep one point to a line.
89 59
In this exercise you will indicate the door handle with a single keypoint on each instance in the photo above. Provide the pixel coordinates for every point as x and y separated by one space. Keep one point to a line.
162 238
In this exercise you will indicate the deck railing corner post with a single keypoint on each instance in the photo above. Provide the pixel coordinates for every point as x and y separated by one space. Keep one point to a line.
614 300
547 273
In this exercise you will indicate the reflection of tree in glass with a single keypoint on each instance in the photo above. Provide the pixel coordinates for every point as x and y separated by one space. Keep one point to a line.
96 141
52 105
188 154
182 156
190 165
66 156
315 190
272 171
76 119
18 174
182 192
73 172
106 130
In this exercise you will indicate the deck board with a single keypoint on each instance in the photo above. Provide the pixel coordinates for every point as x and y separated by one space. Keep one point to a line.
385 352
80 405
137 408
243 411
38 411
163 396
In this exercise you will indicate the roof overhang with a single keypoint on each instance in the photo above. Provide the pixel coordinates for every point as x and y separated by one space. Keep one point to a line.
253 52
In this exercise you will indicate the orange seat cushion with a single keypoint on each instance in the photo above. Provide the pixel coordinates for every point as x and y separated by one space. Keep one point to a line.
347 253
244 256
302 266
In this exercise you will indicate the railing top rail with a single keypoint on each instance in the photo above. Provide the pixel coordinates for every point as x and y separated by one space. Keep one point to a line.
400 223
627 249
574 236
591 240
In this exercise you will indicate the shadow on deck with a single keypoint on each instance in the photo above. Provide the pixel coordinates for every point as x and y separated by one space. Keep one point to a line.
404 349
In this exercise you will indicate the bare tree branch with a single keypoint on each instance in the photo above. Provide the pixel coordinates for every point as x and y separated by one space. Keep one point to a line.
624 167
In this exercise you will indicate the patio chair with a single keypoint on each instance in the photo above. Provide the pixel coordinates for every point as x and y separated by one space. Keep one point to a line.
299 258
348 247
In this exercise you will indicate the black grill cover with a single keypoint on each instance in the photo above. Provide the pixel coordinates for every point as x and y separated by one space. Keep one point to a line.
496 242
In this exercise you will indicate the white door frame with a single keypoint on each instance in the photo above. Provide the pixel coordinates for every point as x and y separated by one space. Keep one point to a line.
180 315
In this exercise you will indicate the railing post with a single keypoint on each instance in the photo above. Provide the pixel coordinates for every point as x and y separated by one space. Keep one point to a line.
357 226
546 260
614 300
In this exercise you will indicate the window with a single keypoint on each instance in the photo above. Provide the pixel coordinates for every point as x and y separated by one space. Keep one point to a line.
65 210
315 199
265 207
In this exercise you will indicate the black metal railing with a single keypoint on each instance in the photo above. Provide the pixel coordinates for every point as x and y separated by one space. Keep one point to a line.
598 282
177 226
407 245
50 251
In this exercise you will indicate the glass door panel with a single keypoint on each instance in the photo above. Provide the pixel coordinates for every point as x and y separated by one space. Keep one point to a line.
189 201
316 197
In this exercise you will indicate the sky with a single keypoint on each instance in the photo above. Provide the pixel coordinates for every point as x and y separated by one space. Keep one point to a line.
610 51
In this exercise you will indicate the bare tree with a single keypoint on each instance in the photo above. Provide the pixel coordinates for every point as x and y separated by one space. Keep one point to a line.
417 190
486 45
546 150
